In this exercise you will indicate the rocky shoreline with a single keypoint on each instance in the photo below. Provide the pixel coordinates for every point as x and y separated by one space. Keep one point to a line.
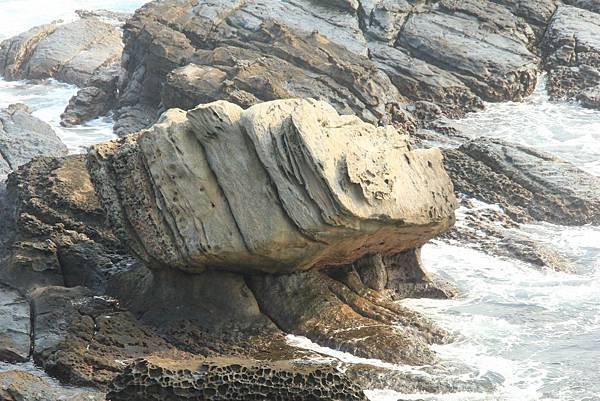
173 262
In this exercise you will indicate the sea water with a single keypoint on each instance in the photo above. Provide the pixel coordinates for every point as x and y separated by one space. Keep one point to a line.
536 332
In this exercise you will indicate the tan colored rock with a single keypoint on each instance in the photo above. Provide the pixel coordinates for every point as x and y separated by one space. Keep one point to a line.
282 186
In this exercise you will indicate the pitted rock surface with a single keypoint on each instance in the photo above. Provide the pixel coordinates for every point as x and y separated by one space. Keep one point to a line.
282 186
230 379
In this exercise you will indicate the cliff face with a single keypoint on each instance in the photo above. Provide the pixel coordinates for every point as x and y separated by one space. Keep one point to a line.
280 187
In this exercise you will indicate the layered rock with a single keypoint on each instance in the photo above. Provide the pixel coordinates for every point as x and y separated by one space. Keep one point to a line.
231 379
282 186
70 52
572 53
365 58
527 183
23 136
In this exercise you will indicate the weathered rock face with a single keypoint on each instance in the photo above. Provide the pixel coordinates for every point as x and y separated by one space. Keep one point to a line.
14 326
527 183
572 53
23 136
282 186
231 379
53 211
84 339
67 52
364 57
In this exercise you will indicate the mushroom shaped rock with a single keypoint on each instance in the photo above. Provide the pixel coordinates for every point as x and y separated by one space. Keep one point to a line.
282 186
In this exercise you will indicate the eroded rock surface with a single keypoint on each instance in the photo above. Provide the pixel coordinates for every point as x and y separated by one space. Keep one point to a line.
23 136
70 52
572 53
282 186
231 379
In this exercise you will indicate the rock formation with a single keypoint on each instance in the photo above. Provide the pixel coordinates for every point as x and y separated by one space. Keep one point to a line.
23 136
15 327
365 58
572 53
230 380
70 52
282 186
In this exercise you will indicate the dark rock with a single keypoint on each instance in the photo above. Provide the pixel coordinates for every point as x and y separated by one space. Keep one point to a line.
25 386
23 136
231 379
527 183
53 207
334 314
15 328
365 58
87 340
67 52
96 99
572 54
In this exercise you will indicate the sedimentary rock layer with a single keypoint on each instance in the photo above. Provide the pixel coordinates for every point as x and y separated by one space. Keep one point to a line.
368 58
282 186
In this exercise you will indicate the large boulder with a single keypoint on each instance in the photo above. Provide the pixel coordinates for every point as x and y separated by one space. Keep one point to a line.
231 379
23 136
367 58
69 52
282 186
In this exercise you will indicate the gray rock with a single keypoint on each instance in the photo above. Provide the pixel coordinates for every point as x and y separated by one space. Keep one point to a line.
67 52
15 328
18 385
282 186
23 136
591 5
572 53
231 50
527 183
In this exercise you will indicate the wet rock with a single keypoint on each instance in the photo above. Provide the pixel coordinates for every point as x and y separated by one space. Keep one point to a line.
96 99
318 188
572 53
14 326
488 228
87 340
25 386
346 316
69 52
231 379
23 136
528 184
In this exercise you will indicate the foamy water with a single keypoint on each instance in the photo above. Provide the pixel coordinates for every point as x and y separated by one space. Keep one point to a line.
535 333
